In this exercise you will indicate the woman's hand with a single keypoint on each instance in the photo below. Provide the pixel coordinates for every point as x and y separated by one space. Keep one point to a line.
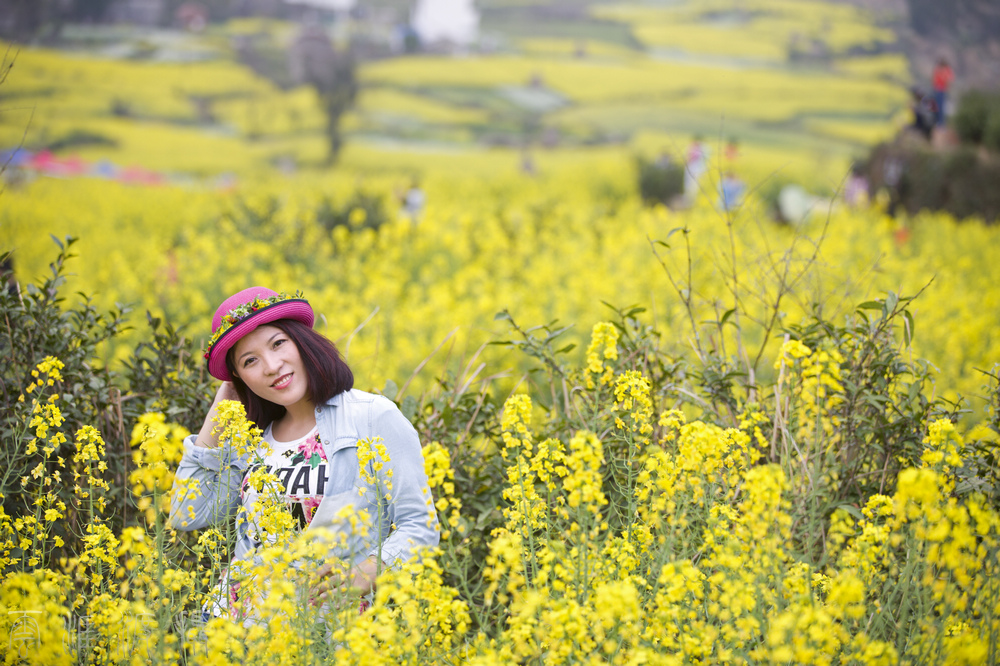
331 581
205 436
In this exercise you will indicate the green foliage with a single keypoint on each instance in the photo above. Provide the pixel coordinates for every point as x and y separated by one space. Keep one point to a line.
37 324
991 134
362 210
879 423
977 116
959 181
81 139
161 374
660 180
981 473
463 414
878 418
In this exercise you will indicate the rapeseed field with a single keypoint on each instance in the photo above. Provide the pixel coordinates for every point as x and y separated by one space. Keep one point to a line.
653 435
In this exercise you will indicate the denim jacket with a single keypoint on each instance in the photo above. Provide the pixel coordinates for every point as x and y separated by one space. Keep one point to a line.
408 520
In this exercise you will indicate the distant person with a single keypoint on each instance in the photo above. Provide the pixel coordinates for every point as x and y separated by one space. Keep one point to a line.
731 192
527 164
856 188
732 152
695 168
413 202
924 110
892 176
941 81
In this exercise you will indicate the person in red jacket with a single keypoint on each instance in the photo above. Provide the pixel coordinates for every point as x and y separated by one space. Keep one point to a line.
941 80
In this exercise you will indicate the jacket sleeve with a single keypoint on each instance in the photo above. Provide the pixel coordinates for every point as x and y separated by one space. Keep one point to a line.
206 488
410 508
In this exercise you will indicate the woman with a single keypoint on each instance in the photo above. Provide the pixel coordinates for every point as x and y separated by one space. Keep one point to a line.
297 389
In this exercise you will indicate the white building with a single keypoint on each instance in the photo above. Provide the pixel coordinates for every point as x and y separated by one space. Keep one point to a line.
449 21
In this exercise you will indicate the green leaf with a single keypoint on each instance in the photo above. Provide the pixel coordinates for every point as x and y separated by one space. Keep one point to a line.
875 400
908 327
314 460
390 389
634 310
501 315
853 510
409 407
890 303
483 518
870 305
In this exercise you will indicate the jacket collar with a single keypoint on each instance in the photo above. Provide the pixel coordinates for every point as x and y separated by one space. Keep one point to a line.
335 401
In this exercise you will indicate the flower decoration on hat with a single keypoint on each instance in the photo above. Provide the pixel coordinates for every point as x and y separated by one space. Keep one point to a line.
243 312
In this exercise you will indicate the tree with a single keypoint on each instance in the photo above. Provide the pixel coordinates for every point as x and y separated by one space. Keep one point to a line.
314 61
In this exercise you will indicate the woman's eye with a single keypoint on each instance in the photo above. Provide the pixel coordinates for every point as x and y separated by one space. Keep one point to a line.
248 361
278 342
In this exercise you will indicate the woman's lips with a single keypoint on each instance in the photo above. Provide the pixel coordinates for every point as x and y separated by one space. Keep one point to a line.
283 381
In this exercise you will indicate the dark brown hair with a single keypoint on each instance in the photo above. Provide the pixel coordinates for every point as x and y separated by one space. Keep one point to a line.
327 372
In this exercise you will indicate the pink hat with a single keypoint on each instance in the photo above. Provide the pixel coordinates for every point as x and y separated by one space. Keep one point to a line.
243 312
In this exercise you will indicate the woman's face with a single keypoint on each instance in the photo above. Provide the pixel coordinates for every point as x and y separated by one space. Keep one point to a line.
269 363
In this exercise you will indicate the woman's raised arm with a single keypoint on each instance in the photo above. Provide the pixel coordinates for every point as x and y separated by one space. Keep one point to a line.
206 488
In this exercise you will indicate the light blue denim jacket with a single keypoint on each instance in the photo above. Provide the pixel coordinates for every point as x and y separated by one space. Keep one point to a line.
408 522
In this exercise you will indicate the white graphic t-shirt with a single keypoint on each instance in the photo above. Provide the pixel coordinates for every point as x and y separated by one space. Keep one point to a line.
301 468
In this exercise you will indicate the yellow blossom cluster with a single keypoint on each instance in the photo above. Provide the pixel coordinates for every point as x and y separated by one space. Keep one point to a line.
30 538
440 480
816 388
160 447
603 348
632 399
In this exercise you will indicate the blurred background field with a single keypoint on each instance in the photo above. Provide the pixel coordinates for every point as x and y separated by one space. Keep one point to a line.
492 168
817 77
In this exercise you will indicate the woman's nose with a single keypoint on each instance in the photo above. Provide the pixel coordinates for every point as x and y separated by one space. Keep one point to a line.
271 363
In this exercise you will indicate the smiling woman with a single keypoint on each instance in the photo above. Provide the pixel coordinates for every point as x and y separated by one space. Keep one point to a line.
296 388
